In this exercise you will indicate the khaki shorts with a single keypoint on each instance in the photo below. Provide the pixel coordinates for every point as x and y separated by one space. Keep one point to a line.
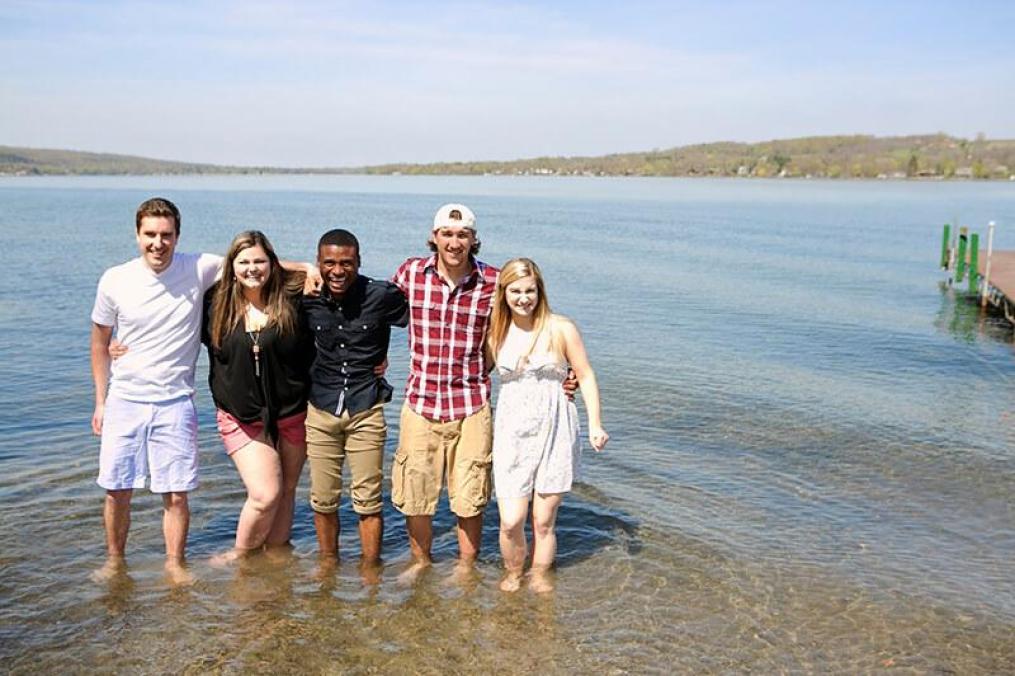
330 440
429 449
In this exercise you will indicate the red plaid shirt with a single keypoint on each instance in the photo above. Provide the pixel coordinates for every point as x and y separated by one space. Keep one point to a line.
448 374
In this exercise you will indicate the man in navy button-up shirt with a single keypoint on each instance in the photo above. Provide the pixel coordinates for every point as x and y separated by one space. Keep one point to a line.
351 321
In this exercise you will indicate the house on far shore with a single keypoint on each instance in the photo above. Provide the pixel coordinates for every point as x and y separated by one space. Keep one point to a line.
964 172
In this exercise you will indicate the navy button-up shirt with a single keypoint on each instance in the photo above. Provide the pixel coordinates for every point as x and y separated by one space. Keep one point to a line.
352 335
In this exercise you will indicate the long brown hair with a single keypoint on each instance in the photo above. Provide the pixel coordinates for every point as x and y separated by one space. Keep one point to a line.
500 318
228 306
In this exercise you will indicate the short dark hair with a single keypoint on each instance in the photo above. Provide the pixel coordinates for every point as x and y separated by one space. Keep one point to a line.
339 237
157 207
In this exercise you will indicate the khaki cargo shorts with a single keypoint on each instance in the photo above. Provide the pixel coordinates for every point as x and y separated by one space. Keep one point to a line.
331 440
429 449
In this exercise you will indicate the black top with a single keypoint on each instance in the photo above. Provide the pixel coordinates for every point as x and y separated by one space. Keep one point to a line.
284 382
351 336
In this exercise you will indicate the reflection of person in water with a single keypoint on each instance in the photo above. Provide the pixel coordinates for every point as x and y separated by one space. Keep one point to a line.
536 448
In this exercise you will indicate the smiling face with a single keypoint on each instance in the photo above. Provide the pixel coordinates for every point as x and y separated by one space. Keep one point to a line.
252 268
522 296
453 246
339 267
156 240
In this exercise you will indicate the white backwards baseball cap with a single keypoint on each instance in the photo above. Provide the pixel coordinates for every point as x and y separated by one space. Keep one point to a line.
447 218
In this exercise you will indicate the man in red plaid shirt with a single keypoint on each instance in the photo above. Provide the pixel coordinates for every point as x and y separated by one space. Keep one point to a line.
446 425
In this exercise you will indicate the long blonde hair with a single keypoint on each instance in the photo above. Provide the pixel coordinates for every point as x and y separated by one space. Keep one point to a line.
500 318
228 306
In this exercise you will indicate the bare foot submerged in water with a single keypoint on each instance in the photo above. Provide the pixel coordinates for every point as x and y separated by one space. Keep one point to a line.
227 558
409 576
114 566
279 554
370 572
464 575
541 580
512 582
327 565
178 575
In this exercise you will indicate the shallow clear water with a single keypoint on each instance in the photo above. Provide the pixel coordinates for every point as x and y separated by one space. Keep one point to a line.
812 466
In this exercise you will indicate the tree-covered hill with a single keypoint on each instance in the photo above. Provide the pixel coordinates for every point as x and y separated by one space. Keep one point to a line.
40 161
927 156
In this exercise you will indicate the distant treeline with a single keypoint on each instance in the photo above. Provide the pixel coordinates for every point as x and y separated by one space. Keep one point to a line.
929 156
38 161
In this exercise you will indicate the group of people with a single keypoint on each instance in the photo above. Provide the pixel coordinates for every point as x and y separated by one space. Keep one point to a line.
297 355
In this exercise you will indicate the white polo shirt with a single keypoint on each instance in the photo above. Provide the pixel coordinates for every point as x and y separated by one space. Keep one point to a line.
158 318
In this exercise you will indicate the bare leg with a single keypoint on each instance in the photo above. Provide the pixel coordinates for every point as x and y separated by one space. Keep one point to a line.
469 530
327 528
544 539
371 532
260 469
293 456
116 518
175 523
370 572
420 540
512 540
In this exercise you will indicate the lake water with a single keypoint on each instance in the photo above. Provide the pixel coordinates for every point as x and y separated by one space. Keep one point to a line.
812 464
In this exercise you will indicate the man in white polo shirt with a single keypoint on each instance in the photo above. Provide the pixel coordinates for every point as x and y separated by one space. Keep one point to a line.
145 412
144 401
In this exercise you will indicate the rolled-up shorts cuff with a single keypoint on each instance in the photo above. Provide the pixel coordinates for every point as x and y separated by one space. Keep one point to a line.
368 509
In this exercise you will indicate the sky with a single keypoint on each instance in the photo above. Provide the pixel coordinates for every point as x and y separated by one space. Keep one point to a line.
355 83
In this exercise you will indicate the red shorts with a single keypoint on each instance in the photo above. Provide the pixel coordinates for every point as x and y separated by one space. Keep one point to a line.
235 434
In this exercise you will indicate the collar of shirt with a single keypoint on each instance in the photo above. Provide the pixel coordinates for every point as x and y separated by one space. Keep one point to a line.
354 294
475 272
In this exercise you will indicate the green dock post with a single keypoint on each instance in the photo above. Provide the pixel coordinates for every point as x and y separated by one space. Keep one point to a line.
944 246
960 259
974 254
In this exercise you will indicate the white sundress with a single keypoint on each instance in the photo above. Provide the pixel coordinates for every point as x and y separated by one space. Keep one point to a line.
536 443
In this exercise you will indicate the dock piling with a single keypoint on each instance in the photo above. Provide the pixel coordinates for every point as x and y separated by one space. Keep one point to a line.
960 259
974 256
945 254
985 289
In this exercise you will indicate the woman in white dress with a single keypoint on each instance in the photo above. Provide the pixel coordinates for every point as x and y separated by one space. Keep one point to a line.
536 447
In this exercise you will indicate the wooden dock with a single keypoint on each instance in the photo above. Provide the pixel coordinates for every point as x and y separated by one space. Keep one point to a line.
1000 287
991 274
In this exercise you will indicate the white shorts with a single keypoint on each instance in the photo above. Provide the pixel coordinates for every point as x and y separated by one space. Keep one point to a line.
141 439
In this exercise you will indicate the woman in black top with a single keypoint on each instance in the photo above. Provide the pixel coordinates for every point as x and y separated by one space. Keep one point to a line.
260 351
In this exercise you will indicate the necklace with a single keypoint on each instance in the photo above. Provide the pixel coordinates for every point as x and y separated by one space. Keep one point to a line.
255 336
256 321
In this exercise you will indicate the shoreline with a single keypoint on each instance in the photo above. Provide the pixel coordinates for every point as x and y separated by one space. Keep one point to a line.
810 177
